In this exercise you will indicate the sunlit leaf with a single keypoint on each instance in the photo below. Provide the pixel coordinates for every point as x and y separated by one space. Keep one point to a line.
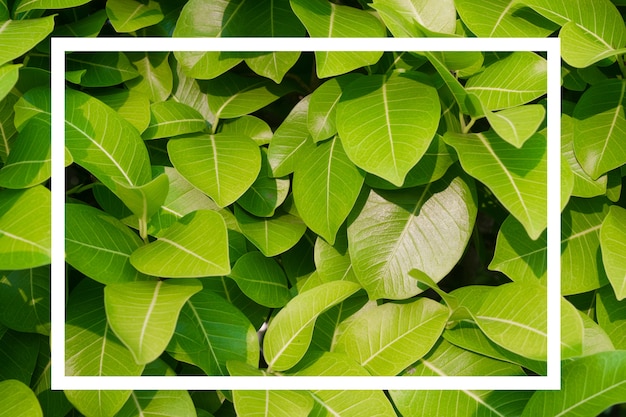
8 77
29 32
143 314
183 250
289 333
131 15
16 399
404 223
155 75
261 279
416 18
171 118
613 244
517 124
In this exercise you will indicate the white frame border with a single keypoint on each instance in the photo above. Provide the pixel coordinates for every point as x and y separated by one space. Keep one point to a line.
60 46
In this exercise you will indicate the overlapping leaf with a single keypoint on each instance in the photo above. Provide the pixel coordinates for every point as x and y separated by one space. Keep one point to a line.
171 118
222 166
129 16
517 177
29 31
326 185
289 333
155 75
143 314
261 279
416 18
383 128
17 399
103 69
404 222
613 244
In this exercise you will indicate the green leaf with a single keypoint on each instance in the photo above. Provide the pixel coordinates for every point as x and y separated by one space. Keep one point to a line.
16 399
326 185
7 126
104 143
143 200
584 185
262 279
336 403
502 18
21 6
323 19
518 256
322 113
390 337
595 337
18 354
103 69
599 125
25 228
273 235
184 251
222 166
290 140
143 314
289 333
171 118
333 261
512 315
129 16
155 75
501 85
416 18
25 295
131 105
165 403
29 32
251 126
8 77
517 124
613 245
211 331
87 27
383 129
581 259
99 245
267 403
611 316
232 95
605 385
449 360
191 92
426 228
266 193
29 162
34 102
592 29
92 349
517 177
433 165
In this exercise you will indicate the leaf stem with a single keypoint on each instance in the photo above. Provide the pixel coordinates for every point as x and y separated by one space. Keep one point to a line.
143 229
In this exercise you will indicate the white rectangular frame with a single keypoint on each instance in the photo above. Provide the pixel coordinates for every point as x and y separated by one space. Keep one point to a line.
60 46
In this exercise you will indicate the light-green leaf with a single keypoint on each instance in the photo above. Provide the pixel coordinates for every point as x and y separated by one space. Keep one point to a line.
29 32
517 255
165 403
289 333
517 124
323 19
92 349
262 279
604 376
592 29
99 245
383 127
8 77
131 15
16 399
336 403
517 177
222 166
104 143
184 250
611 316
132 105
326 185
25 295
272 235
613 244
417 18
171 118
22 6
404 223
599 126
25 228
211 331
143 314
155 75
388 338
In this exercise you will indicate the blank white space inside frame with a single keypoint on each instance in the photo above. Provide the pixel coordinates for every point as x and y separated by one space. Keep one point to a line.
60 46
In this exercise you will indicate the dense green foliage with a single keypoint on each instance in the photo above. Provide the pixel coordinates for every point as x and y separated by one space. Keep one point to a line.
327 213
